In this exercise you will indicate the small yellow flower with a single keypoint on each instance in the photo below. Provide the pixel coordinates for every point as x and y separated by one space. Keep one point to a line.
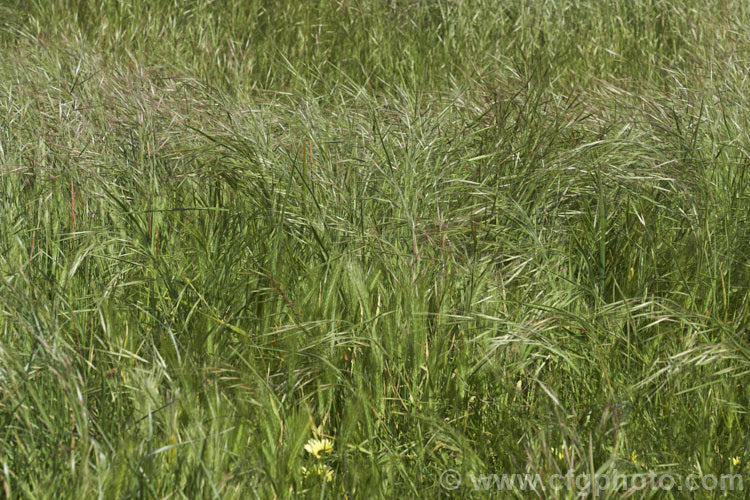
319 470
319 448
634 457
329 473
736 461
559 453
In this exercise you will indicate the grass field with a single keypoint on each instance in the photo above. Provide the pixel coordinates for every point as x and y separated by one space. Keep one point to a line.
481 237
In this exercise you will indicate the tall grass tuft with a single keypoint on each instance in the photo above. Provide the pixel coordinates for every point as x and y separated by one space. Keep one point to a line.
483 237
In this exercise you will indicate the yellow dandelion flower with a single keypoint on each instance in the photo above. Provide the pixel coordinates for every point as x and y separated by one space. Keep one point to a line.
319 448
736 461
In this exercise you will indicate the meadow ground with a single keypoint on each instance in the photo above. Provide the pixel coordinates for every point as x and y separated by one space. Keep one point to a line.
476 237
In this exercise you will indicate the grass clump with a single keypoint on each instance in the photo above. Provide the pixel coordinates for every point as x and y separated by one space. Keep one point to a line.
445 236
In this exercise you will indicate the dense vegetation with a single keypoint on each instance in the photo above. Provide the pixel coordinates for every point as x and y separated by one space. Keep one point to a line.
486 236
